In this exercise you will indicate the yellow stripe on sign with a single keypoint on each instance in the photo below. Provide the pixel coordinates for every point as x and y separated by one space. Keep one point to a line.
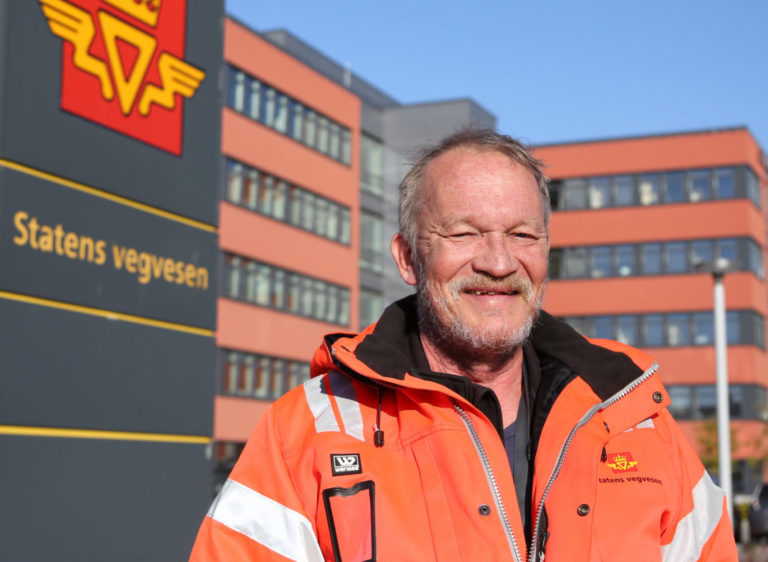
29 431
108 314
106 195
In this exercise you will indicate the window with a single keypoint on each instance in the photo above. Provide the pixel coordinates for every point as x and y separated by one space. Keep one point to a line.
370 307
575 191
678 333
556 270
371 165
297 128
576 263
270 107
234 181
701 252
254 100
599 193
623 191
675 257
322 134
698 185
649 189
681 406
675 187
653 330
650 257
281 118
237 91
753 188
604 327
601 261
626 329
705 401
625 260
273 287
371 241
310 119
703 328
724 185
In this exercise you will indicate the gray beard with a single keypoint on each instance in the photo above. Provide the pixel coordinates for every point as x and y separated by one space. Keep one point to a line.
466 344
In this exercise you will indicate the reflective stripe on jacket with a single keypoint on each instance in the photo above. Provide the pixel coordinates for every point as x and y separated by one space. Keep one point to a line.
613 476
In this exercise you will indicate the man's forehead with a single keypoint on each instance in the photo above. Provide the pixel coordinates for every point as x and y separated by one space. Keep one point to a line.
474 165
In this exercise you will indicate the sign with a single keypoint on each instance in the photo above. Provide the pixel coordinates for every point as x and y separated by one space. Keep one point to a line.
123 65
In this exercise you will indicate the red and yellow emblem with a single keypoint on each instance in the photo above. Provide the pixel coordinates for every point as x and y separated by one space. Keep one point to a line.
123 65
622 462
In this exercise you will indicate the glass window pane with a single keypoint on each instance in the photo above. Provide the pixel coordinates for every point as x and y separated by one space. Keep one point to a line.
653 330
678 332
649 189
309 128
599 193
278 289
705 400
279 201
262 285
676 258
701 252
294 293
626 329
294 204
726 248
755 259
576 263
321 216
307 296
346 146
333 221
320 300
650 257
261 386
297 123
322 134
343 307
675 187
250 188
625 260
270 106
245 383
308 211
281 118
234 181
370 307
233 268
254 99
732 327
266 189
753 188
334 141
237 95
345 228
681 401
703 328
371 241
556 270
698 185
230 372
623 190
276 379
575 192
724 183
371 165
604 327
333 304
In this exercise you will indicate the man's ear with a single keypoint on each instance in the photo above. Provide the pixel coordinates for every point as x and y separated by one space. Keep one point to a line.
403 258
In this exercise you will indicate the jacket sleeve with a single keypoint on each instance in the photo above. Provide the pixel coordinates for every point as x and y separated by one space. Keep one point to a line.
258 514
701 530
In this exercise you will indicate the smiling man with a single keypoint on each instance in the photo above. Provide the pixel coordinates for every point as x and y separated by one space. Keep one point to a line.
467 424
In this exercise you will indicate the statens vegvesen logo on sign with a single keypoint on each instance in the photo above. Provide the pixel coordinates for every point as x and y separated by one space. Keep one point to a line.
145 265
123 65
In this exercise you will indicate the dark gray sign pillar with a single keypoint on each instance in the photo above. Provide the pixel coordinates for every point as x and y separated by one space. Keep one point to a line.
109 186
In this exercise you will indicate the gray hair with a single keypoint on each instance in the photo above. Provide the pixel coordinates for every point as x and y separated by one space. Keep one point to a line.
479 139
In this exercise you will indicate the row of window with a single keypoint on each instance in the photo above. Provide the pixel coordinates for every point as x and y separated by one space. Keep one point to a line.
699 401
674 329
655 188
265 104
654 258
276 198
260 376
288 291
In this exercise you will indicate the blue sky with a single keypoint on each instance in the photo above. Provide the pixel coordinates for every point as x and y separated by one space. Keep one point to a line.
551 71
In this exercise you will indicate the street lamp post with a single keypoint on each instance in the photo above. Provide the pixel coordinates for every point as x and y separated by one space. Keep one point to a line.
719 268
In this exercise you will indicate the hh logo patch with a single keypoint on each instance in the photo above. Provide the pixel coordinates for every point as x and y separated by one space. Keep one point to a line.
346 464
123 65
622 462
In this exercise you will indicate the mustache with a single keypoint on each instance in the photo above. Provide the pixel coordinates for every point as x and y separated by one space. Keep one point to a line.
508 284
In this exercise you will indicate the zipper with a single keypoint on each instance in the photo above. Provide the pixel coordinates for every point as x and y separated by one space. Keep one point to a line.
564 449
491 481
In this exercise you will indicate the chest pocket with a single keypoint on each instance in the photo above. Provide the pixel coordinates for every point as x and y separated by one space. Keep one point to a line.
351 516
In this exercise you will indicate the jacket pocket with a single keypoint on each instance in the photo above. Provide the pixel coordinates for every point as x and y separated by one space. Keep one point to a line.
352 522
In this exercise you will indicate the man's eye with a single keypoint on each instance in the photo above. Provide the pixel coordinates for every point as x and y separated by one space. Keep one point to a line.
461 235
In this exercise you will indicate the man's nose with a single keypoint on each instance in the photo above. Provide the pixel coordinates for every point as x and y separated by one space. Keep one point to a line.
495 256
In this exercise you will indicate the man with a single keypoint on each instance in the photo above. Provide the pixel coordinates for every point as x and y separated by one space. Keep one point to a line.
467 424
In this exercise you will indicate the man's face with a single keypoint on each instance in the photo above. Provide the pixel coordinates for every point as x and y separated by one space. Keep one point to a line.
481 252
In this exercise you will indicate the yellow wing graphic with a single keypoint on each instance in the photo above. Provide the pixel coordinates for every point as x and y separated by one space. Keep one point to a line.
76 26
176 77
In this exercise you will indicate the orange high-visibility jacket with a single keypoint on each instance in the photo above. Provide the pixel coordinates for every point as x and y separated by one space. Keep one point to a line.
373 460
